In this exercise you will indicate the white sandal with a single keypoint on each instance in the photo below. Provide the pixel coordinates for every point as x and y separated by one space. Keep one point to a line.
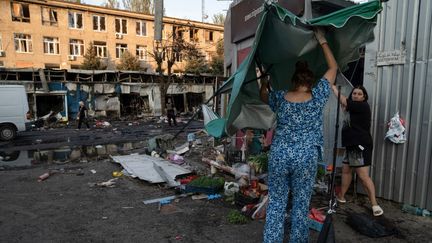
377 210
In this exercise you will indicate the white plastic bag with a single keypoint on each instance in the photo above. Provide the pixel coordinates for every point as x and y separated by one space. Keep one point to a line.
396 130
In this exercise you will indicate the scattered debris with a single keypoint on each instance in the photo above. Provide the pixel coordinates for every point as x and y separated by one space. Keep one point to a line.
142 166
109 183
93 171
117 173
43 176
157 200
170 181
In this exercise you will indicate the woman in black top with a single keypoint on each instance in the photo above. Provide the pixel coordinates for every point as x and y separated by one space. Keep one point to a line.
357 140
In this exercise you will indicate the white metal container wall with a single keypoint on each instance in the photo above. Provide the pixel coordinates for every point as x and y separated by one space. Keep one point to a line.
402 173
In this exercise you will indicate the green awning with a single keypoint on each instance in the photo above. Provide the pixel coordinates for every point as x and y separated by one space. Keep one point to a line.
280 41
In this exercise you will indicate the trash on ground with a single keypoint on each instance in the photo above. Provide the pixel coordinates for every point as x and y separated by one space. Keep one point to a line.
164 175
142 166
93 171
117 173
157 200
406 208
176 159
109 183
43 177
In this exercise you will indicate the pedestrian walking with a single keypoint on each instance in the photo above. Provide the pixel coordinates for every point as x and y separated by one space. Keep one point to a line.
82 115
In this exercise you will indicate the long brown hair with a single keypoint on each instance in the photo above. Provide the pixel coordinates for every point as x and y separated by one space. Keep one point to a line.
302 76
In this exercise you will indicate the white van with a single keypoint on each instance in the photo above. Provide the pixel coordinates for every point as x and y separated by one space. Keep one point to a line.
13 110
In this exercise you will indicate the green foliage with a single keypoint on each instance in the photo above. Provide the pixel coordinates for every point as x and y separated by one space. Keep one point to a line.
129 62
91 60
219 19
259 162
235 217
111 4
217 62
196 62
204 181
140 6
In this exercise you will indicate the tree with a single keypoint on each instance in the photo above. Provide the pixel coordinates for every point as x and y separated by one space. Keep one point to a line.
219 19
129 62
140 6
91 60
196 62
217 62
111 4
168 51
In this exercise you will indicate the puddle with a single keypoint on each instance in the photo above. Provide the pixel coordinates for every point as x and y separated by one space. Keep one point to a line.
78 154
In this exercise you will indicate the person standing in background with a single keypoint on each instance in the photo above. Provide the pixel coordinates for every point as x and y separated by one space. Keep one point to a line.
82 115
170 112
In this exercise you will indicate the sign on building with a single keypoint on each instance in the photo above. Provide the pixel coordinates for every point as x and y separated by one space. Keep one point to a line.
395 57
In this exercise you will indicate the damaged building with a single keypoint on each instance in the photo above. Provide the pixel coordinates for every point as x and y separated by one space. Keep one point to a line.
111 94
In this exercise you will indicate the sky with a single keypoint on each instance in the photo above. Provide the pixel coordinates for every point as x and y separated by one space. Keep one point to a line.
186 9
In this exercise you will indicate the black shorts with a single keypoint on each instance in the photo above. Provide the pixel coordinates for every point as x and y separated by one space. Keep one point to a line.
366 153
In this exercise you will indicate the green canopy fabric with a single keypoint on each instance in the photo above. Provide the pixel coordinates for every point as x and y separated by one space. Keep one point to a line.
280 41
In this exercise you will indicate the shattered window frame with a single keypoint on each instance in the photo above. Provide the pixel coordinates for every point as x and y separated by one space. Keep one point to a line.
120 49
20 12
209 36
194 34
49 16
76 47
23 43
99 23
141 52
75 20
100 48
51 45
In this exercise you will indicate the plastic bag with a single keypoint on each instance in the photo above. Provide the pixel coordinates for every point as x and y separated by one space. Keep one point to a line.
396 130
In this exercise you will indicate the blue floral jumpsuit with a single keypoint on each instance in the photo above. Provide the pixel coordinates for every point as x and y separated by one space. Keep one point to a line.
294 153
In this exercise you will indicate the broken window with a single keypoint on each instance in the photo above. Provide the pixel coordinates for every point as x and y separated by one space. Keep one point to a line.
141 28
52 66
193 34
209 36
141 53
51 45
177 32
20 12
98 23
121 26
23 43
120 49
100 49
75 20
49 16
76 47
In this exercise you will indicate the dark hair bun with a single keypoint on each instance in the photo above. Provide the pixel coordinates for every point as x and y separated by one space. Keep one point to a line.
302 66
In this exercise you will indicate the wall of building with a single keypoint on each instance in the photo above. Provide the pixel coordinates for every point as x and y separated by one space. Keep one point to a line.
38 59
398 77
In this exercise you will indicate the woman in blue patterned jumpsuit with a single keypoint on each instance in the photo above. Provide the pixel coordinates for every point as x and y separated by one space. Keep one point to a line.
296 147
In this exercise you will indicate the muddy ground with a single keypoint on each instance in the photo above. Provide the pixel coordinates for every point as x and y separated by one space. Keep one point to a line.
68 207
